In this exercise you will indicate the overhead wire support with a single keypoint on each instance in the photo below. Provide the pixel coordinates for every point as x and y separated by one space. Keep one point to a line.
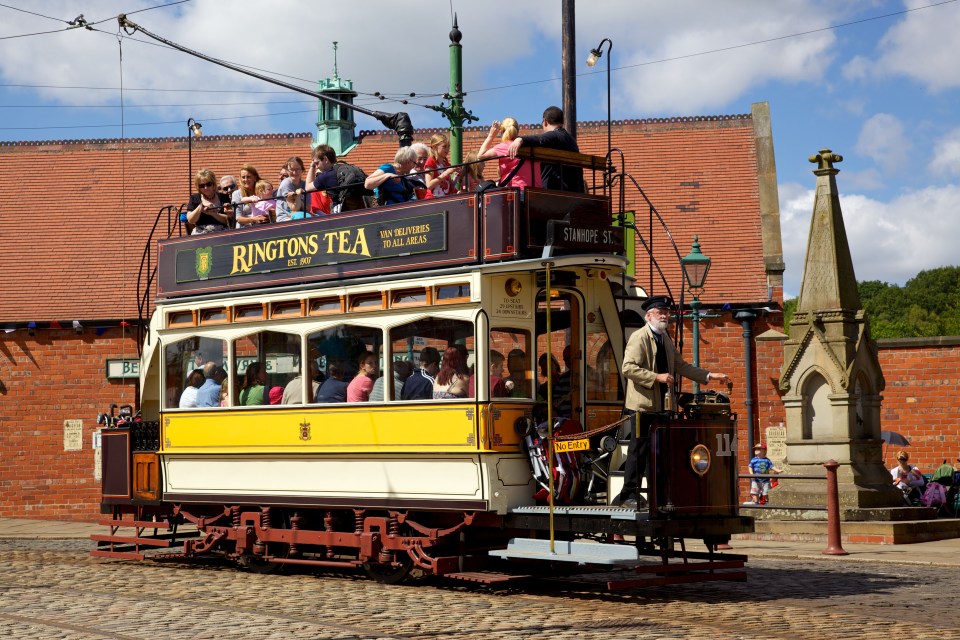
398 122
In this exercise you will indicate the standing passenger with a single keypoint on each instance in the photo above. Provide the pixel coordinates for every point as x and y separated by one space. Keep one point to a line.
528 174
440 176
553 176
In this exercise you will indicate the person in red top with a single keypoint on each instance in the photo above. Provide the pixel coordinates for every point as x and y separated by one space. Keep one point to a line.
439 176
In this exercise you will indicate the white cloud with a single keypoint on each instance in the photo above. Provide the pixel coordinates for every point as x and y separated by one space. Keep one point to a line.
946 154
889 241
921 46
883 140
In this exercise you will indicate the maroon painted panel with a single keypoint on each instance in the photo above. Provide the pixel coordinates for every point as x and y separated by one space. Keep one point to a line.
501 228
408 237
116 462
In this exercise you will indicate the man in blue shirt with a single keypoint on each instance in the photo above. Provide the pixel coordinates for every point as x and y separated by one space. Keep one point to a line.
208 395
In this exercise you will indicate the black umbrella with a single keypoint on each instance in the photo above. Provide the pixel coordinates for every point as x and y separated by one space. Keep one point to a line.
894 438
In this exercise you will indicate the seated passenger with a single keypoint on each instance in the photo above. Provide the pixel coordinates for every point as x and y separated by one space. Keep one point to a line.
209 394
276 395
528 173
451 381
439 176
295 206
415 178
519 379
188 398
206 212
292 184
401 371
419 386
321 177
498 386
246 198
333 389
265 209
389 180
293 392
360 387
252 388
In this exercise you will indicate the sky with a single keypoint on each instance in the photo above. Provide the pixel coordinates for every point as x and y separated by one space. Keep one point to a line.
876 81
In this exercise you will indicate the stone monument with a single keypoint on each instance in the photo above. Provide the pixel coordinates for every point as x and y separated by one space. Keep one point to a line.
831 377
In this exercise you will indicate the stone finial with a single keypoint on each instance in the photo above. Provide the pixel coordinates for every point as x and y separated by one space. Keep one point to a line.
825 159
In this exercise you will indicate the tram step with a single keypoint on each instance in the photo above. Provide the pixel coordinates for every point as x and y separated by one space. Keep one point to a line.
145 542
488 577
567 551
142 524
117 555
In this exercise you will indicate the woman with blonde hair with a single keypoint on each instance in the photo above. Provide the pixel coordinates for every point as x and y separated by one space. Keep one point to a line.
246 196
205 211
528 173
439 176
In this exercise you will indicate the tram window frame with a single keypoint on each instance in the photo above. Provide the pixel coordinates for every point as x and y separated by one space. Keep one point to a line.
262 355
313 303
250 312
516 391
569 303
439 332
283 309
375 301
177 369
347 361
174 318
439 293
215 315
421 296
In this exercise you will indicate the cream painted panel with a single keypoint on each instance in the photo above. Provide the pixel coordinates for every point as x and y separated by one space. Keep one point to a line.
444 477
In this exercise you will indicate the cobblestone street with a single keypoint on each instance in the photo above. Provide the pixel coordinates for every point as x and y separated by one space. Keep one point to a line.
52 589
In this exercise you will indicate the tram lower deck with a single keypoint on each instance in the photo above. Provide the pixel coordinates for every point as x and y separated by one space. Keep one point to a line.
400 485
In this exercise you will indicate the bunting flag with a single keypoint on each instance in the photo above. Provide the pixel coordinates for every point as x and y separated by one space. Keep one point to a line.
55 325
100 330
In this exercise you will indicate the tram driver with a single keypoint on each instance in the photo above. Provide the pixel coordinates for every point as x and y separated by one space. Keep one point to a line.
650 363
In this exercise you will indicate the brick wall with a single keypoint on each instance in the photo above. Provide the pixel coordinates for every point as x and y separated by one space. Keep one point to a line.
921 398
45 379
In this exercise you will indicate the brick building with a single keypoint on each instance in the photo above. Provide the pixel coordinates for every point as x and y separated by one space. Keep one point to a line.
80 260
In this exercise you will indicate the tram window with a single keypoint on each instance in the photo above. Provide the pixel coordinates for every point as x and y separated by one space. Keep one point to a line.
322 306
214 316
287 309
603 376
183 357
447 293
409 297
366 301
181 319
249 312
264 364
565 350
432 336
514 346
338 350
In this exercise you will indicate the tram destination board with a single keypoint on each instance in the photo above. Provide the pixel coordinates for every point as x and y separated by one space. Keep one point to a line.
367 242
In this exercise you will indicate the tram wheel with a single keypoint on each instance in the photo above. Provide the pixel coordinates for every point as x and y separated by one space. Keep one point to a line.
390 573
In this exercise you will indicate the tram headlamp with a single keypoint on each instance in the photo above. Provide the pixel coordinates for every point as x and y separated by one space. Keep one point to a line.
700 459
513 287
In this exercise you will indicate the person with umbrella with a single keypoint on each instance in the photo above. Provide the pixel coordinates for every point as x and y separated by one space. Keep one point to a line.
907 477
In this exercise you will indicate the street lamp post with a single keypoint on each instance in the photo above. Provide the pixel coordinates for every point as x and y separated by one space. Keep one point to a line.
695 267
194 130
596 54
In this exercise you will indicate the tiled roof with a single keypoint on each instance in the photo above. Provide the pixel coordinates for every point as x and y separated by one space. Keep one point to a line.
73 252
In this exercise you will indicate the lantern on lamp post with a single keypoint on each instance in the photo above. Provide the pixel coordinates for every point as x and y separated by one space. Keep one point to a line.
695 267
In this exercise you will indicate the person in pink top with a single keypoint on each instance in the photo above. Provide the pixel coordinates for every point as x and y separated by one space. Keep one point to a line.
360 387
528 175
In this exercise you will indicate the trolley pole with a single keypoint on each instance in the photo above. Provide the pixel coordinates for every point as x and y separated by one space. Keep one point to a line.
550 455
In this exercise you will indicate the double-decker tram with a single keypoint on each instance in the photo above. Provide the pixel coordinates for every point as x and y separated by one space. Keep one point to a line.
328 445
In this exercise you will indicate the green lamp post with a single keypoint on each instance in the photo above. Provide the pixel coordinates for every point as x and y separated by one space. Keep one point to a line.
695 267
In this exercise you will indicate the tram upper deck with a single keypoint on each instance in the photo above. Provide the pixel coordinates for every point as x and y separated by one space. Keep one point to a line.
505 224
